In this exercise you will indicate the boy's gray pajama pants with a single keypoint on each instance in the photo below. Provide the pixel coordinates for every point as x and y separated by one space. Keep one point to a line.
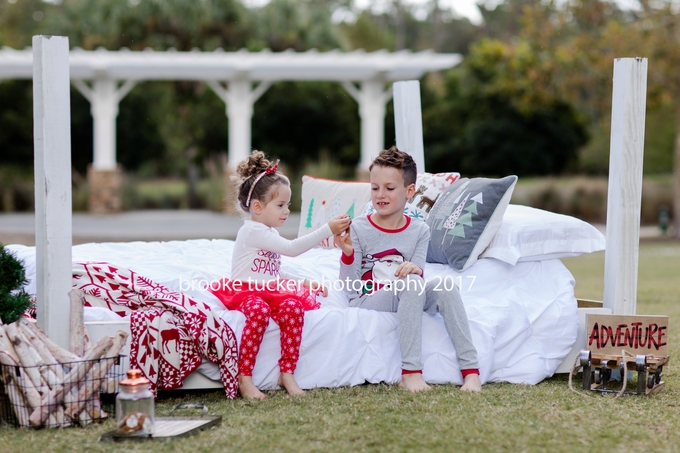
409 306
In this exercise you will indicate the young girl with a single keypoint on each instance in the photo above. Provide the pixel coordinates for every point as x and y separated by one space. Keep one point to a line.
258 287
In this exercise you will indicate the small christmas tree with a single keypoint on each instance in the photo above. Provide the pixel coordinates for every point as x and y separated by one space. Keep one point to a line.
350 211
14 301
309 214
451 222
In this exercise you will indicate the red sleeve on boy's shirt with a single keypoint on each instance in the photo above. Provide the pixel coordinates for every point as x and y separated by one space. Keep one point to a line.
347 259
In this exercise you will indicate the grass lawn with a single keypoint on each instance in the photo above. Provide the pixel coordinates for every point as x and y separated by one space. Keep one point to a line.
504 417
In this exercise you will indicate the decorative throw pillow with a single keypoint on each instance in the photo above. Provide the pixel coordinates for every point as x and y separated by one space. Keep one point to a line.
530 234
323 199
428 188
465 219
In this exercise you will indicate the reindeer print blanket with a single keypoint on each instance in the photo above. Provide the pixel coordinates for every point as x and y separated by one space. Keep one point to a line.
170 332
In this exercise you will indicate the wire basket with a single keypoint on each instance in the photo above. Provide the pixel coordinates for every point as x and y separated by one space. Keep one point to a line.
61 394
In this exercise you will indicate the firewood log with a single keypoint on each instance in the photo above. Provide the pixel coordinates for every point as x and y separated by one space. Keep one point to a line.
23 382
19 404
59 414
26 357
108 385
94 408
87 344
79 396
77 324
77 373
16 397
47 369
6 344
52 421
39 346
62 355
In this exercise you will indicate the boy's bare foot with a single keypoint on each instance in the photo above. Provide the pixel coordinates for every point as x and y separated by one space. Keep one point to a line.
288 382
472 384
414 382
248 390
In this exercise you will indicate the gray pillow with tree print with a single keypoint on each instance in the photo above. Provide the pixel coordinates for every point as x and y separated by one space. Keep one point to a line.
465 219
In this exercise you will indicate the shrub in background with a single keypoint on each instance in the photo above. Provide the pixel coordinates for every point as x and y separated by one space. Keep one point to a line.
14 301
586 197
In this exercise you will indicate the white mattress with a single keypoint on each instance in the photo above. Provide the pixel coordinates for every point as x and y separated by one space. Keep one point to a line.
523 318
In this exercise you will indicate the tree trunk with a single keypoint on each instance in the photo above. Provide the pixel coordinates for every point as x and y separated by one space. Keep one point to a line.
400 29
676 176
192 179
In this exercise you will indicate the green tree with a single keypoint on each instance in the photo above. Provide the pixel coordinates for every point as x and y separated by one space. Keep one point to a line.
585 37
297 121
296 24
497 121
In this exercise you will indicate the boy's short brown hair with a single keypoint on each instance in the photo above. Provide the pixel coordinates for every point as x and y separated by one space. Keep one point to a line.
400 160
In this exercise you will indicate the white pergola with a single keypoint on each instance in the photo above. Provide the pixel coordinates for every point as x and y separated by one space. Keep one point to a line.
239 79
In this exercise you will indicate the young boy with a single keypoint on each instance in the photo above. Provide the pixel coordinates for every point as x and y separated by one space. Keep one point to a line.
386 251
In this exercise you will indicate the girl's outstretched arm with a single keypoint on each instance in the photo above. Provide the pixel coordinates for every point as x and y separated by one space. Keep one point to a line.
266 238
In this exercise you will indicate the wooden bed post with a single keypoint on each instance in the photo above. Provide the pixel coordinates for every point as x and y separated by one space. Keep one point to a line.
625 185
408 122
52 138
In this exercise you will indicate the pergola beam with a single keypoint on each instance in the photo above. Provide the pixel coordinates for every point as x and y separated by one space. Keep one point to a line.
239 70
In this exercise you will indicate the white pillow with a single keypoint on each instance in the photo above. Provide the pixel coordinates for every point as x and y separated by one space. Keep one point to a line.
323 199
530 234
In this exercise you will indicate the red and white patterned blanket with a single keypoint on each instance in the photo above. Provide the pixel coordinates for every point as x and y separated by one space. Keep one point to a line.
170 332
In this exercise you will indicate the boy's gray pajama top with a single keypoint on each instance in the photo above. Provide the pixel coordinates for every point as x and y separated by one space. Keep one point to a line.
378 252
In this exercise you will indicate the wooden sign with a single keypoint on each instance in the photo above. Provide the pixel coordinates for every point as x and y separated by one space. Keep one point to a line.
637 334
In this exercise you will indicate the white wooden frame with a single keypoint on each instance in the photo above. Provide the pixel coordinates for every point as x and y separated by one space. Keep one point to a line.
53 226
52 138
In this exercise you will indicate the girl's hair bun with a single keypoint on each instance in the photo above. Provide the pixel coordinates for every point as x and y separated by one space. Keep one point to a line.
256 163
250 171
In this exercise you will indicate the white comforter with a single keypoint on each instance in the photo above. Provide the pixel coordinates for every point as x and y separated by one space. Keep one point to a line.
523 318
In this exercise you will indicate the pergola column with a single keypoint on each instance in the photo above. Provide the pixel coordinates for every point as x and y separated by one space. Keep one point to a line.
239 98
104 175
372 98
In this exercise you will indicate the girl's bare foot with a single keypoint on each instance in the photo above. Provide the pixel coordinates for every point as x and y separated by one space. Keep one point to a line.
248 390
413 382
288 382
472 384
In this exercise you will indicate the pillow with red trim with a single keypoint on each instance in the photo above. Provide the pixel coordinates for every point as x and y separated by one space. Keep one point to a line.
323 199
428 188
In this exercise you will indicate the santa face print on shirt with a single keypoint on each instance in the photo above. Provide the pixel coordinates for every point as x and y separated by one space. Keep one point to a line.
382 267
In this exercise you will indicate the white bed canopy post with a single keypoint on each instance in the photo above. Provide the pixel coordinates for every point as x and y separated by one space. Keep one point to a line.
104 97
239 98
52 137
372 98
408 121
625 185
